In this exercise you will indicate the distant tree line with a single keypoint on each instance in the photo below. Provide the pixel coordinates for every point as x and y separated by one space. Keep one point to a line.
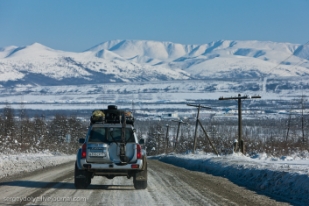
274 136
20 133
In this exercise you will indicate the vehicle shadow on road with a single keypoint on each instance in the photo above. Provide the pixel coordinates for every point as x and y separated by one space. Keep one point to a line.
111 187
61 185
38 184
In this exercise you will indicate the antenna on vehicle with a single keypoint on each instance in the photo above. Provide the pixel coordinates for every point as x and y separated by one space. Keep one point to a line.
133 107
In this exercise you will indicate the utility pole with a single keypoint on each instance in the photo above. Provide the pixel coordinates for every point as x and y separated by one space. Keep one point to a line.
302 114
196 125
133 107
43 125
166 139
158 140
176 140
22 116
241 145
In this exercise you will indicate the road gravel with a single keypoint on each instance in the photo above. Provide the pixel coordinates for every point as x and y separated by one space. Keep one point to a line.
167 185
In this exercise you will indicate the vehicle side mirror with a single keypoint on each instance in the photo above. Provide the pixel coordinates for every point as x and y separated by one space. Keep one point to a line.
141 141
81 140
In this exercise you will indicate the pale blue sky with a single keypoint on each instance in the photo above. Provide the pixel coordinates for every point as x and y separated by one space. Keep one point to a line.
76 25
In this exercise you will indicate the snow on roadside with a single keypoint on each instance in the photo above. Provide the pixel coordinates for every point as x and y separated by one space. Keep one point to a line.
11 164
285 178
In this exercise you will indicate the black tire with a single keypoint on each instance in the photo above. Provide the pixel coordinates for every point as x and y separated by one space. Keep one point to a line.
82 178
110 177
140 184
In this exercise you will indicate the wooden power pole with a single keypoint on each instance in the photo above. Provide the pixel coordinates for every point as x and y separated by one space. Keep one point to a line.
241 145
198 122
176 140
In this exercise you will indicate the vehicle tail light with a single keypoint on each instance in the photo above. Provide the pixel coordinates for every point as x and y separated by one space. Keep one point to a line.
84 147
135 166
139 151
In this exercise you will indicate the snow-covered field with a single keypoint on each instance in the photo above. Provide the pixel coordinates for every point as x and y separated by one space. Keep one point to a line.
11 164
168 95
286 177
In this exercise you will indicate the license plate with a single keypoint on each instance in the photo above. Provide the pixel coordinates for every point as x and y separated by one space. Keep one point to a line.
96 154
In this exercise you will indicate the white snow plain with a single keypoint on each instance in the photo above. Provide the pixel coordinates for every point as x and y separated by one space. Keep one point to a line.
286 178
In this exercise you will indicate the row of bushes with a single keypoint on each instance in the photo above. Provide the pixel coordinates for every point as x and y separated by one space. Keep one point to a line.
19 133
272 136
277 137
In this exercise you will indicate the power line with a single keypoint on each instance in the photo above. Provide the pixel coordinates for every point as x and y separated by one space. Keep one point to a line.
241 145
273 68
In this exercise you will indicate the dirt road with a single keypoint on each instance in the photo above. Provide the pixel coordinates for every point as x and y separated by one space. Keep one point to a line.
167 185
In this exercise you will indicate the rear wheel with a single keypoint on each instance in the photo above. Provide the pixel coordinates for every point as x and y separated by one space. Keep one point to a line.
140 179
82 178
140 185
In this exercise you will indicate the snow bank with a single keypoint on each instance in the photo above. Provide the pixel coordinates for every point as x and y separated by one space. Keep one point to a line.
27 162
285 178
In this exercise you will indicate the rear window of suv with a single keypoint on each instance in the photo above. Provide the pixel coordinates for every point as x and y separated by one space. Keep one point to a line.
97 134
110 134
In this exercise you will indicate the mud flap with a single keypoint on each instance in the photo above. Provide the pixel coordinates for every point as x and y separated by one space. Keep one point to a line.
140 178
82 179
142 175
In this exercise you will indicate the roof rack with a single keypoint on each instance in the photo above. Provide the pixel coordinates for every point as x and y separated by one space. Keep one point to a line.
111 115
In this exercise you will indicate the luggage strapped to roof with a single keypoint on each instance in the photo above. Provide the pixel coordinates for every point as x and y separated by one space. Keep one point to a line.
111 115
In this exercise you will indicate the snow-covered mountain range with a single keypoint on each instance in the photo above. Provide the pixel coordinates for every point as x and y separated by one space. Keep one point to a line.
153 75
146 61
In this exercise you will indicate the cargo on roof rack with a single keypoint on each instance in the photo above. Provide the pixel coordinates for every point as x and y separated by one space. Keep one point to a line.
111 115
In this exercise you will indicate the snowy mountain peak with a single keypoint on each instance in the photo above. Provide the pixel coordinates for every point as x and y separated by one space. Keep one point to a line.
151 49
29 51
141 60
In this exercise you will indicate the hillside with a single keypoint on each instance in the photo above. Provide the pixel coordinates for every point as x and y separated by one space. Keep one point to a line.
146 61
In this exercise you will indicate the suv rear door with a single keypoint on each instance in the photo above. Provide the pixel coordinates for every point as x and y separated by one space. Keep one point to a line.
114 136
103 144
97 146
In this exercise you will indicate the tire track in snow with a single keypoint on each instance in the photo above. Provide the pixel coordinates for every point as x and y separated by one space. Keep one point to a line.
167 185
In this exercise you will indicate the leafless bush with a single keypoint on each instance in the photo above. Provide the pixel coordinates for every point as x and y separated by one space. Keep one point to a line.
260 136
61 134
